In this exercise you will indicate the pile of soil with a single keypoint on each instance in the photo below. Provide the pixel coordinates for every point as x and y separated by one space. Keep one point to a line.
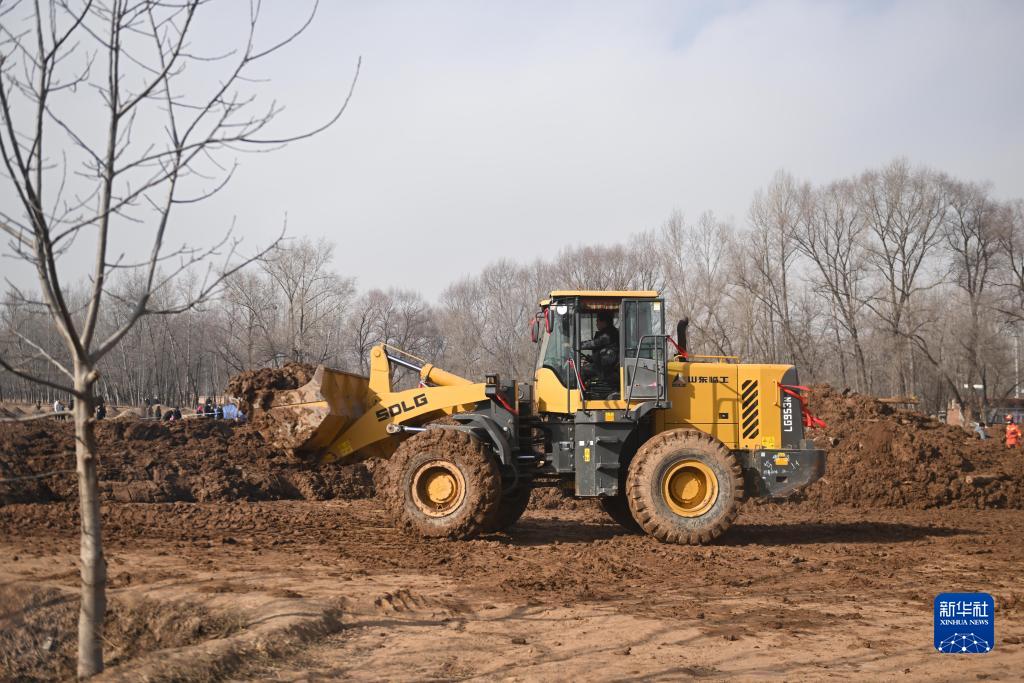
38 630
881 456
255 389
196 459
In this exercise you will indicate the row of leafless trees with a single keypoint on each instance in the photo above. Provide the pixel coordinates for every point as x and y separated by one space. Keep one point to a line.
900 281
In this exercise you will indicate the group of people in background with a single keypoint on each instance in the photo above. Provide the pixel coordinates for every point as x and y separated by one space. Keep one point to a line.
1013 435
168 415
207 408
153 409
219 411
61 409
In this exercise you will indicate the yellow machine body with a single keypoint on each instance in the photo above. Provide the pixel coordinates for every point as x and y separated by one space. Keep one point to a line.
748 407
708 396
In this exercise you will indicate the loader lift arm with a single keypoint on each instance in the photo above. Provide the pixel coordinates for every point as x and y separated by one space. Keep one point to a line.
344 417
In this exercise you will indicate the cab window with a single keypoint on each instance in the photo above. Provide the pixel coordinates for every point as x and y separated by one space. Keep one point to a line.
558 344
643 343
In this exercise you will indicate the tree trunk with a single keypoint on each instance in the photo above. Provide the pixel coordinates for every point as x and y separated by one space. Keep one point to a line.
93 566
862 366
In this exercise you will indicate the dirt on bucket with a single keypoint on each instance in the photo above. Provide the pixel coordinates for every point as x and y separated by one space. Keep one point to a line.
255 389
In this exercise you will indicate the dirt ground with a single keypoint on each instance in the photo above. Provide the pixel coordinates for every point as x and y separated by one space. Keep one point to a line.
232 559
300 590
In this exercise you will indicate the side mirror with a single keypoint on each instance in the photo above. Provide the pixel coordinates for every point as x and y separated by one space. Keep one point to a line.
548 319
534 330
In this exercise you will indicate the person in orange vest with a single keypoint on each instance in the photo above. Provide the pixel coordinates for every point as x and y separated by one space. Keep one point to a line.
1012 433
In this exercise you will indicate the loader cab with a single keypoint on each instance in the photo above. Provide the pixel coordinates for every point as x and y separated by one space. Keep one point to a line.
577 367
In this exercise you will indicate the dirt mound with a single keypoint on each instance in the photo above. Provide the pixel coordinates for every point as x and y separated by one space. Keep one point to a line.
196 459
38 638
550 498
256 388
879 455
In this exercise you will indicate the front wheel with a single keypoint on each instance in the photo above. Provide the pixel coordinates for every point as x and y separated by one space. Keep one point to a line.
617 507
511 508
443 483
684 487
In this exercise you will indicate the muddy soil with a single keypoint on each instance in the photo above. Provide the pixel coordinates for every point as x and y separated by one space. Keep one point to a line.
255 389
790 593
39 624
229 558
882 456
196 459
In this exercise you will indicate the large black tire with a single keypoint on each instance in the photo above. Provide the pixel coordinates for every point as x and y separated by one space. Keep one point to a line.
511 508
684 486
617 508
452 459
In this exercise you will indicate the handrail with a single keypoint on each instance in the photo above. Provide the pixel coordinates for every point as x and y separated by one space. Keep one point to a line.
579 386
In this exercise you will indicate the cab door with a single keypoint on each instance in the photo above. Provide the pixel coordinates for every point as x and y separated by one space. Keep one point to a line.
554 379
642 340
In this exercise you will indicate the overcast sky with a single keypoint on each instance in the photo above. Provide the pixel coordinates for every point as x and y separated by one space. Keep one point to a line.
481 130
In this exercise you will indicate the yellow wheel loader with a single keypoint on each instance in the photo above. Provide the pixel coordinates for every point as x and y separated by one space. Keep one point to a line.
616 410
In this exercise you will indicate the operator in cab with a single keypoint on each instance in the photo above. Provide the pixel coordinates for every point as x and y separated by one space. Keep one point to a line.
602 373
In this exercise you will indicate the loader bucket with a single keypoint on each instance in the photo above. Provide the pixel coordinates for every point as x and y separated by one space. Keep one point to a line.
309 419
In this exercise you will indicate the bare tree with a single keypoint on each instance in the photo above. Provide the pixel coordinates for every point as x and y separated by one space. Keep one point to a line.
832 235
697 279
770 255
971 239
160 143
397 317
904 210
1010 235
247 321
312 296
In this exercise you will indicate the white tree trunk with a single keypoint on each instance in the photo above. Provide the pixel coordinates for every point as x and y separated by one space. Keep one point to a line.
93 565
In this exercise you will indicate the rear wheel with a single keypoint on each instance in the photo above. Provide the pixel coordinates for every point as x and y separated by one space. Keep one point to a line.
443 483
511 508
684 487
617 508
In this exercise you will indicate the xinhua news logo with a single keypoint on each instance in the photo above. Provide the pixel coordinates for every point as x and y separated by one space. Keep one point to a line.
965 623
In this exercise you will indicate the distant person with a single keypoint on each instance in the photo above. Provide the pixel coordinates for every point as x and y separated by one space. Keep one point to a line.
218 412
58 407
979 429
101 410
157 413
230 411
1012 433
177 413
